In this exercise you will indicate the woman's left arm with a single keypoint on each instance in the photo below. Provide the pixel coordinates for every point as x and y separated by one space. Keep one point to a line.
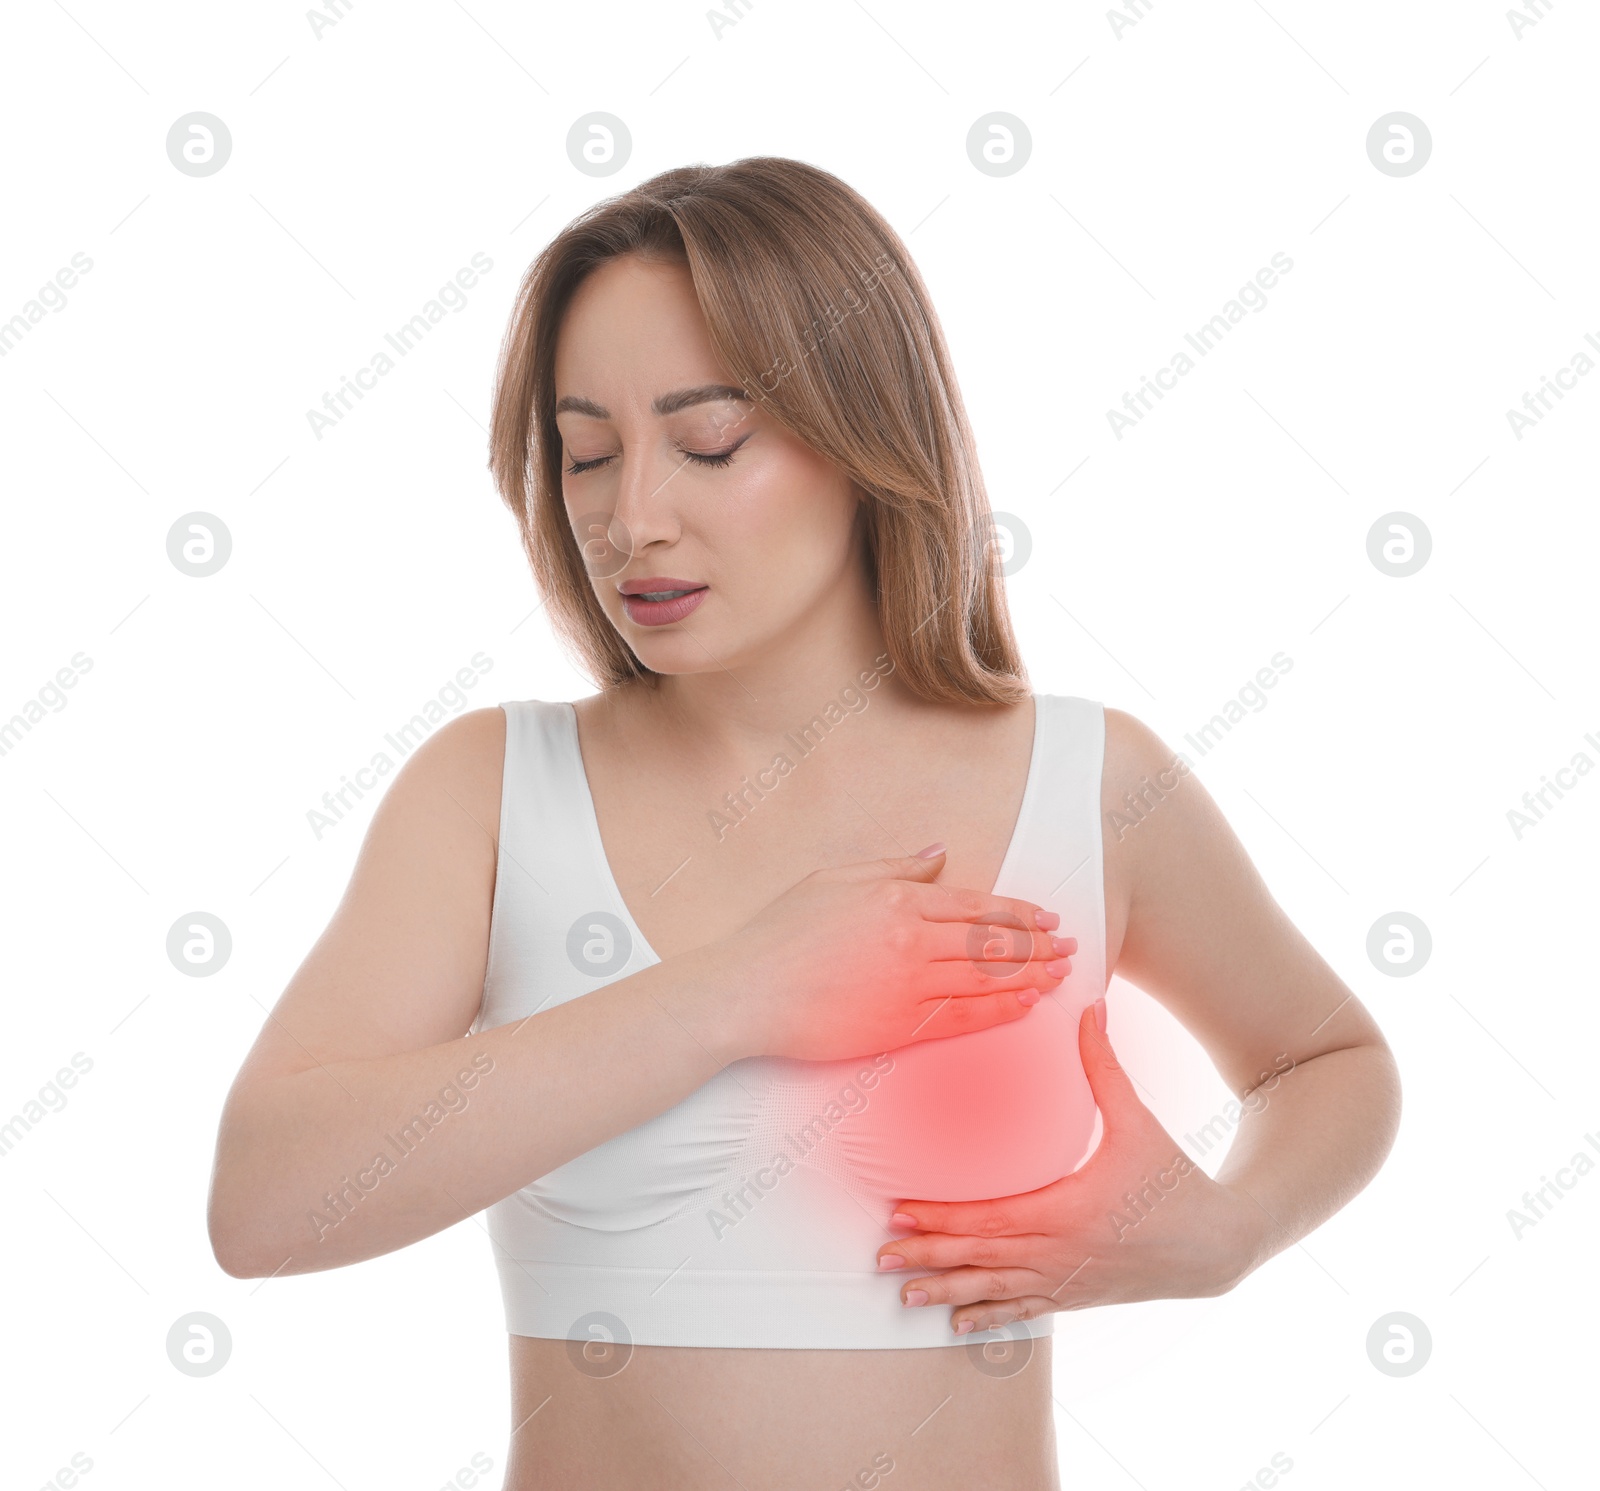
1317 1087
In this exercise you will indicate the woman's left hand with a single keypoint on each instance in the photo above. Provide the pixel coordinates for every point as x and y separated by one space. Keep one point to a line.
1140 1220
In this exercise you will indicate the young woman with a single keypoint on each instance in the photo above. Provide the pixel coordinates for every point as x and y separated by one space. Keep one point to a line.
667 979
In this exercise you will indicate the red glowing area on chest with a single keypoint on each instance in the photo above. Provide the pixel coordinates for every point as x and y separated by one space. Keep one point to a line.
971 1117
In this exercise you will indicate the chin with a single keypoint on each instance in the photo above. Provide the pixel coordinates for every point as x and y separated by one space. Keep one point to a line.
701 645
666 650
675 666
708 654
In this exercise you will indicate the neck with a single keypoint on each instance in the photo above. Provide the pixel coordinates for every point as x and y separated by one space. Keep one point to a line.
837 661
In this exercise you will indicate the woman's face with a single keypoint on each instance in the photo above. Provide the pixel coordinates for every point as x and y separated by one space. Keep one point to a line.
681 484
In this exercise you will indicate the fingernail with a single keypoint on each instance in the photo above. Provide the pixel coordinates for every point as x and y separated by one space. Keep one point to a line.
1048 921
891 1260
1064 945
1056 968
1028 997
963 1326
916 1296
931 852
1100 1014
901 1219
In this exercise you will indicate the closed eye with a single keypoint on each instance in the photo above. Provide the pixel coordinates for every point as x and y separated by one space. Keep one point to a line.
716 458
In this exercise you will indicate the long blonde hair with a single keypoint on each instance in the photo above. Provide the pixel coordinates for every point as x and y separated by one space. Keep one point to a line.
815 307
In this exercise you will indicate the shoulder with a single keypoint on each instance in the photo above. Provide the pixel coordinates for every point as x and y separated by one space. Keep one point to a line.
1135 758
1168 849
1130 743
469 745
450 784
1131 747
1142 810
401 963
1200 929
1141 778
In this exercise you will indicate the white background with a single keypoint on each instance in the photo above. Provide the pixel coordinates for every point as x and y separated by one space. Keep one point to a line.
1168 164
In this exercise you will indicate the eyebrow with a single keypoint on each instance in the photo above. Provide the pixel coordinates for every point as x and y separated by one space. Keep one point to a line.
667 403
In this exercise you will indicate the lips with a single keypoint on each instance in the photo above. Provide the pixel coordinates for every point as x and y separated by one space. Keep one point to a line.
660 600
658 586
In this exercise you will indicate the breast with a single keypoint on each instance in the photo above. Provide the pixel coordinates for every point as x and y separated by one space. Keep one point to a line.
966 1118
976 1116
656 1170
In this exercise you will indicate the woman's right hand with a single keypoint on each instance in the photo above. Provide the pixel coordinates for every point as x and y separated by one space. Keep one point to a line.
862 958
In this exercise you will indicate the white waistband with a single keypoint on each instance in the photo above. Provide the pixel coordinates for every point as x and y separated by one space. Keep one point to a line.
786 1309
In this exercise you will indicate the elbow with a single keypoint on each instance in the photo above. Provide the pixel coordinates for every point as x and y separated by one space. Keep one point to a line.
231 1240
1385 1080
239 1224
1394 1094
244 1240
232 1259
247 1251
1381 1100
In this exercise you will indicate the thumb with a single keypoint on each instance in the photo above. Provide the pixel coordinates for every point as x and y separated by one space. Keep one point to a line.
1110 1084
924 866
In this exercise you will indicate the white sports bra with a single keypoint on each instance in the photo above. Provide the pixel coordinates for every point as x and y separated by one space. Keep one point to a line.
751 1212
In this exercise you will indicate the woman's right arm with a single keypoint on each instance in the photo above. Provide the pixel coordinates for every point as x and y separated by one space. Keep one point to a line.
365 1117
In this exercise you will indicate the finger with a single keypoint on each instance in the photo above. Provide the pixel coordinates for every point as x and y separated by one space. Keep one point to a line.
951 1001
961 1014
959 903
989 1313
986 943
1110 1085
966 978
965 1286
895 867
923 1251
1006 1217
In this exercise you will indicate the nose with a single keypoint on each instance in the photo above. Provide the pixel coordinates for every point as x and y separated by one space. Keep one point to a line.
646 506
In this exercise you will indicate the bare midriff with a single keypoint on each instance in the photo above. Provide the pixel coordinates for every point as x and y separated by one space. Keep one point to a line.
676 1418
